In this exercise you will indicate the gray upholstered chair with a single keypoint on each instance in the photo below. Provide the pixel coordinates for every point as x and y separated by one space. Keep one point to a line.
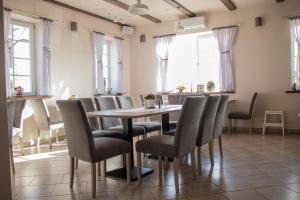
241 115
126 102
219 122
177 146
110 103
43 120
83 146
89 106
173 99
18 122
10 121
206 129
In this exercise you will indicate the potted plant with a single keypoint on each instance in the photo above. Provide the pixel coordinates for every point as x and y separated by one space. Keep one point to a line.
149 101
19 91
180 88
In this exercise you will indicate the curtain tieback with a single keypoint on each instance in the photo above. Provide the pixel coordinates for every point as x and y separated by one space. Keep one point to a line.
120 63
164 59
223 52
47 49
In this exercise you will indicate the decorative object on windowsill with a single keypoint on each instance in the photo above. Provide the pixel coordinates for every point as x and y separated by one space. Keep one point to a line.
180 88
19 91
294 87
149 101
200 89
210 86
73 97
109 91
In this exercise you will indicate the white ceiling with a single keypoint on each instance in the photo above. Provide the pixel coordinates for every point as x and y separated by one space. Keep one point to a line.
158 8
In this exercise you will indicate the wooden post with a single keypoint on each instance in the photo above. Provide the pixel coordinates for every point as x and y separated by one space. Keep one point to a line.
5 183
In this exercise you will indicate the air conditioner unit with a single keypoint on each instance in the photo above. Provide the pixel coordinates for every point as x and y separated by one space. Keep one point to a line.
189 24
128 30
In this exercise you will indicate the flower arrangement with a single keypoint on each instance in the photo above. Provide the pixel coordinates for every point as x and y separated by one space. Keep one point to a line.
180 88
149 97
19 91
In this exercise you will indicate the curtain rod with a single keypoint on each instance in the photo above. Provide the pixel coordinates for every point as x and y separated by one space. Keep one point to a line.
105 34
171 34
294 17
28 14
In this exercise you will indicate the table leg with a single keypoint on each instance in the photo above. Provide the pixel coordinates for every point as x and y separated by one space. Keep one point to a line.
121 172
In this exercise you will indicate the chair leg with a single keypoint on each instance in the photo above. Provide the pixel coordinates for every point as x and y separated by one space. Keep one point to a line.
56 136
104 168
139 166
250 126
220 146
160 169
50 140
128 168
199 159
72 163
229 126
12 163
166 162
93 173
211 152
176 164
193 159
76 163
99 168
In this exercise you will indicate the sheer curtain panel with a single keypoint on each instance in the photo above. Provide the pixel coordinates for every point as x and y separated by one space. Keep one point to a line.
6 22
225 37
162 49
117 66
98 42
295 29
44 71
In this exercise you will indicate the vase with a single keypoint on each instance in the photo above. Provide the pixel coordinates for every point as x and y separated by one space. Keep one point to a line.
149 103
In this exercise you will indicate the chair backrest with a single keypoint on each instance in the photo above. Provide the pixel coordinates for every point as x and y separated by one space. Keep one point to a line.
219 122
206 129
19 107
107 103
89 106
10 119
174 99
188 124
40 114
142 98
252 104
159 98
125 102
79 135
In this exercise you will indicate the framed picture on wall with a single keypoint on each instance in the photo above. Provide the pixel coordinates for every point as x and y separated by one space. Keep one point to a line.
200 89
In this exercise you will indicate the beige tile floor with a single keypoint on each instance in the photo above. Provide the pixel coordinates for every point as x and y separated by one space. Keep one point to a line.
254 167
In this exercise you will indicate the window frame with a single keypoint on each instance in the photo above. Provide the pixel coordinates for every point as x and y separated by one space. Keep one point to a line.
32 75
108 54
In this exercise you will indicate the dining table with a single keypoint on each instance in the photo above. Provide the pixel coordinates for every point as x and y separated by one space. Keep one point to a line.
127 116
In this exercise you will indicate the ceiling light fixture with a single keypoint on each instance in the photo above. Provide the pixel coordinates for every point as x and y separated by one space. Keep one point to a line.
138 8
179 26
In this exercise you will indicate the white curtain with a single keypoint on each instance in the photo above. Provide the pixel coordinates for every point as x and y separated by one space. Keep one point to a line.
98 43
44 71
117 66
162 49
6 22
225 37
295 29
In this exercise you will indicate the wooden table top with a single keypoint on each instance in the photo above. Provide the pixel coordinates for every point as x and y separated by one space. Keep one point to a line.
135 112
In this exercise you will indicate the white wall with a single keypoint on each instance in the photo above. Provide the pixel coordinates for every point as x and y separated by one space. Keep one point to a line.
72 53
262 58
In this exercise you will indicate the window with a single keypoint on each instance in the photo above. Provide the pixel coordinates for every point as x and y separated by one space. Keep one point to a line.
106 64
21 49
193 60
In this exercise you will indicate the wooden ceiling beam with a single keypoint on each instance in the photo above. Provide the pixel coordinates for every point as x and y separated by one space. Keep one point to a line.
124 6
229 4
82 11
279 1
183 9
